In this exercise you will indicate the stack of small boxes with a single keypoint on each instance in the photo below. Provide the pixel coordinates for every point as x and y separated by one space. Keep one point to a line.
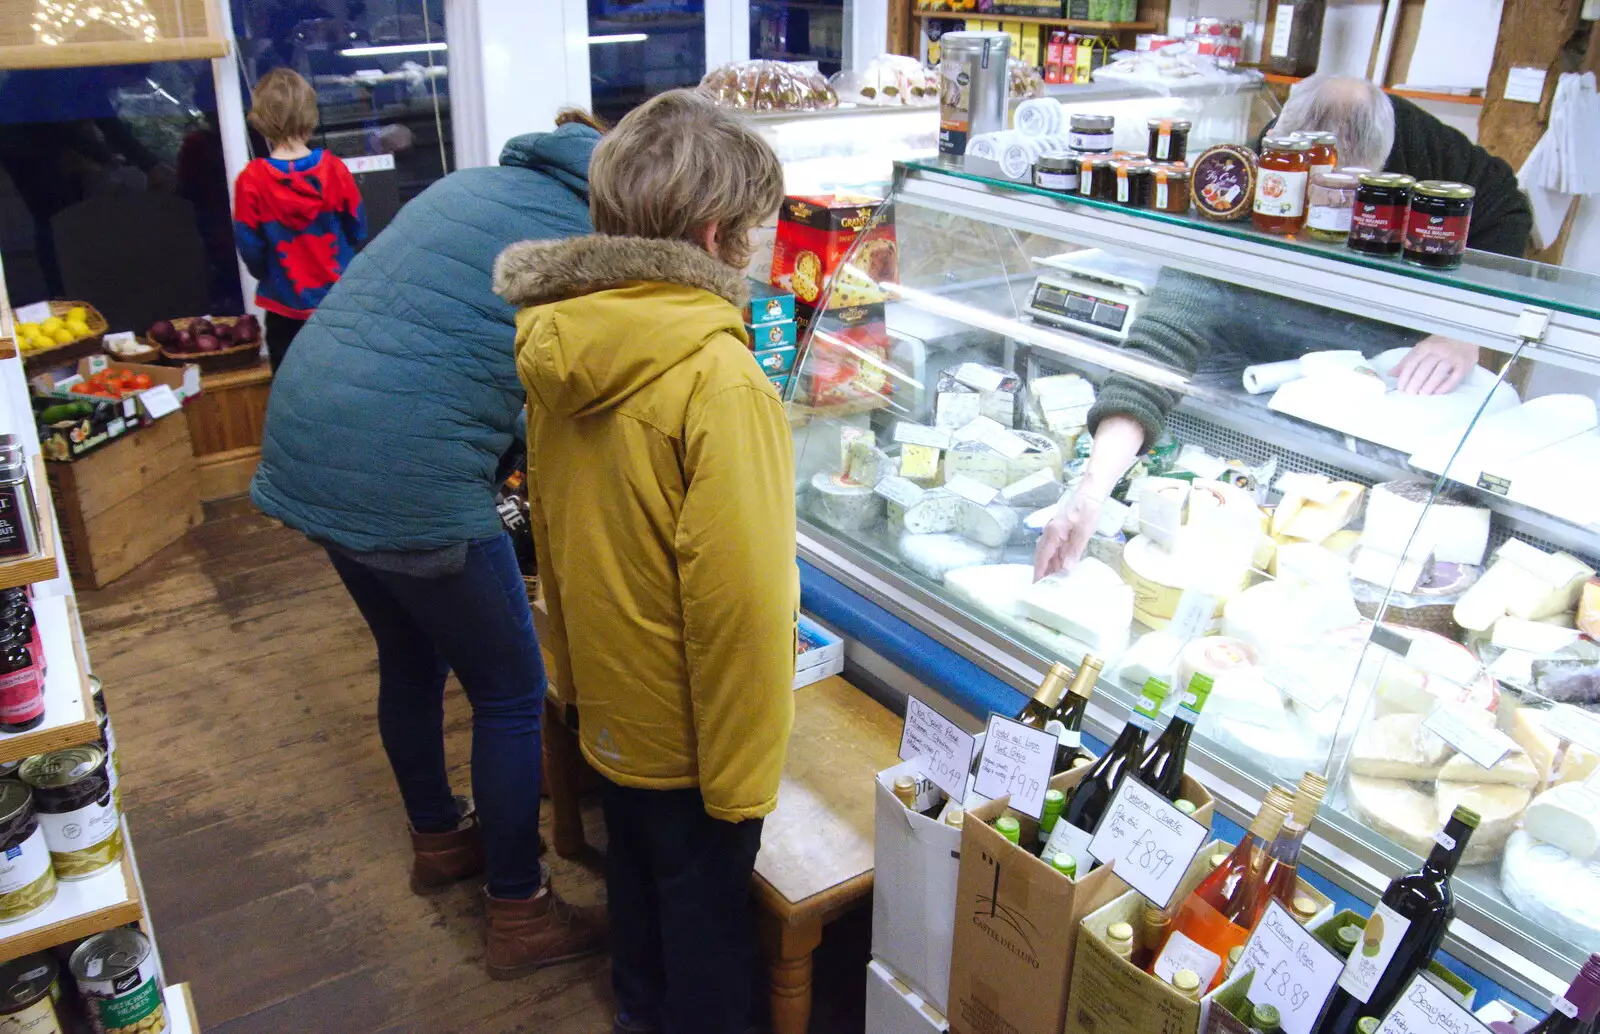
769 319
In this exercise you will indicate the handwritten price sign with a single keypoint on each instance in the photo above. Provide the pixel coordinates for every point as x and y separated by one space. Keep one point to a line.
1017 761
945 750
1424 1009
1151 843
1295 972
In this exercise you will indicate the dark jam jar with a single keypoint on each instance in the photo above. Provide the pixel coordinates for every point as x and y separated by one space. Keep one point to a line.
21 688
1436 229
1169 189
1378 221
1169 139
1131 183
1058 172
1092 173
1091 134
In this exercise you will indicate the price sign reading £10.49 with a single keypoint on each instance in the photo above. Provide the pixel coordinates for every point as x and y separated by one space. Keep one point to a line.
1149 843
1294 972
945 750
1017 761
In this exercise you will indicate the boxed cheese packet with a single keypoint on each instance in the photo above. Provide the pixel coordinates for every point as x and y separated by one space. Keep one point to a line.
767 304
771 336
1016 931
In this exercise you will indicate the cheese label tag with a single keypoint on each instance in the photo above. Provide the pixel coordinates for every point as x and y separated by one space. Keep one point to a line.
919 461
1006 443
900 491
1379 941
943 747
1180 952
1016 760
38 312
955 409
1425 1009
1295 972
972 491
1191 618
1575 725
907 433
121 337
1149 843
977 430
1314 694
1486 747
1038 479
976 375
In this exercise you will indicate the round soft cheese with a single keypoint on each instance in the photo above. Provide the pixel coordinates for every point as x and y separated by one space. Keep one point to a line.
1499 807
1555 892
934 556
1396 809
1159 577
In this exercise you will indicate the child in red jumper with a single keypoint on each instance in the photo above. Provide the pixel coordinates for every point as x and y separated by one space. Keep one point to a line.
297 215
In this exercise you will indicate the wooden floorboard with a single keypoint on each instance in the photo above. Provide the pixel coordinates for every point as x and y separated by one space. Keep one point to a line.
242 682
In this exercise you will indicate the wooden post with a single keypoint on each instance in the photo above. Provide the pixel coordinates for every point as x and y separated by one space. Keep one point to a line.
903 27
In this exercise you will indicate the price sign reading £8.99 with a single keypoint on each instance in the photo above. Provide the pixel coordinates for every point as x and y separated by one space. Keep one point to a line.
945 750
1149 843
1294 972
1017 761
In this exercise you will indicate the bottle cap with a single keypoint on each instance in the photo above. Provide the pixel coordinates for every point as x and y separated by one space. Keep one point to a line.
1368 1025
1150 698
1268 821
1218 858
1088 672
1054 801
1065 864
1305 908
1079 762
1186 981
1308 798
1184 805
955 817
1119 933
1054 686
1585 990
905 784
1281 797
1235 953
1466 816
1008 827
1349 936
1264 1016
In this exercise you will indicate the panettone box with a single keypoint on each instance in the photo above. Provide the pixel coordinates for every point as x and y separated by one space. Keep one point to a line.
817 232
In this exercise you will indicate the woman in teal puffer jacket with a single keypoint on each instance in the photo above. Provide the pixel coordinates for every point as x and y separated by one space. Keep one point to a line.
385 427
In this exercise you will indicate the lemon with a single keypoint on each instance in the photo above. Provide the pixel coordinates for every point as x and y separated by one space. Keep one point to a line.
53 324
78 328
27 329
41 341
79 313
63 337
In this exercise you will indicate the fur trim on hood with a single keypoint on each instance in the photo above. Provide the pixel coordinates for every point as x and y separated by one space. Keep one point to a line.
538 272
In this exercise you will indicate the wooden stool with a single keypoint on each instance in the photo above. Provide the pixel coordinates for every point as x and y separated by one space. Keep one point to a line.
566 774
816 848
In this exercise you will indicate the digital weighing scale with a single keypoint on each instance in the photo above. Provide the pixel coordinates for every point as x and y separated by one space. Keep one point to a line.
1091 292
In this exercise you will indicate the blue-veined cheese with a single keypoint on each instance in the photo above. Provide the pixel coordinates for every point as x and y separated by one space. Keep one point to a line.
844 505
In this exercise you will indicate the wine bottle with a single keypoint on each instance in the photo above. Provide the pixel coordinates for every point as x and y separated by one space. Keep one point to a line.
1053 802
1264 1019
1284 853
1070 711
1120 937
1087 802
1212 918
1041 708
1162 768
1009 828
1575 1011
1405 930
905 791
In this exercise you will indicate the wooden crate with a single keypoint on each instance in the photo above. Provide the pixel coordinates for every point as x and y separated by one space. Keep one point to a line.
225 422
122 504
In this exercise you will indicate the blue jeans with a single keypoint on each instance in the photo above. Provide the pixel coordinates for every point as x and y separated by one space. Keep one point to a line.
477 623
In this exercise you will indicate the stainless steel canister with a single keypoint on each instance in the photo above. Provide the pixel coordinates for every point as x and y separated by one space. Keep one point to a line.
973 87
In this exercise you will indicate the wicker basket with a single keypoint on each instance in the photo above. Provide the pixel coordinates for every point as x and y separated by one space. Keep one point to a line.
71 352
148 353
234 357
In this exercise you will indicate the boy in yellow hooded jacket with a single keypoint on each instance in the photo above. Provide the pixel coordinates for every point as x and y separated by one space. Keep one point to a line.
661 481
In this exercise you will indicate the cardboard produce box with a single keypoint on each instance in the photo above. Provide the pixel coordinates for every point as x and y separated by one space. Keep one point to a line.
894 1008
917 861
1016 923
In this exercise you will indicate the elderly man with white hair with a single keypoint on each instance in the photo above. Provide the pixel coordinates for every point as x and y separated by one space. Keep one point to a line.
1193 322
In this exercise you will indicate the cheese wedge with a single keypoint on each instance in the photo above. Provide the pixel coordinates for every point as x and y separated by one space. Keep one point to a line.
1453 532
1398 747
1499 807
1515 769
1315 521
1511 633
1589 608
1567 816
1090 604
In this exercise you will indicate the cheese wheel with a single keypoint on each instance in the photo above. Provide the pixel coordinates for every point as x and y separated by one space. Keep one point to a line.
1555 892
934 556
1499 807
1159 577
1396 809
1398 747
845 505
990 525
1239 689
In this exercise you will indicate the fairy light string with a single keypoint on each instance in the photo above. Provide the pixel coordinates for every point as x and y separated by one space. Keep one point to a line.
56 21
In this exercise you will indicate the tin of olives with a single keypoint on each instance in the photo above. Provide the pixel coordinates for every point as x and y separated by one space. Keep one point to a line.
27 995
116 973
72 792
27 881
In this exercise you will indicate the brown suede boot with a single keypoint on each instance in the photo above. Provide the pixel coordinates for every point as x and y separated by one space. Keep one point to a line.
440 859
540 931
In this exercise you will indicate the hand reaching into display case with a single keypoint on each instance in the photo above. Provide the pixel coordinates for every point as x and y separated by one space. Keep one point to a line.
1435 366
1117 443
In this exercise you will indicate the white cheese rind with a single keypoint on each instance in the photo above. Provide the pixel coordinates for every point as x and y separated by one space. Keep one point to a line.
1452 532
990 525
1556 893
1398 747
1515 769
934 556
1567 816
844 505
1533 636
1090 604
1396 809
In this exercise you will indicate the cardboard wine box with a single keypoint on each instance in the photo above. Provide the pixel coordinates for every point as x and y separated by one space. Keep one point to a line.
1016 923
894 1008
916 863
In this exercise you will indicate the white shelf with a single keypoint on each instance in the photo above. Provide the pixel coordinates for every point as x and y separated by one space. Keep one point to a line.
80 908
181 1018
69 717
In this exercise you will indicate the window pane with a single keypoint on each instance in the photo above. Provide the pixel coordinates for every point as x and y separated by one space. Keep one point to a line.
798 30
639 48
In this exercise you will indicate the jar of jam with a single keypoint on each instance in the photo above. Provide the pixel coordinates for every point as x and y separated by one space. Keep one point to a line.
1282 175
21 687
1329 203
1436 228
1091 134
1131 183
1058 172
1378 220
1324 149
1169 139
1095 178
1169 189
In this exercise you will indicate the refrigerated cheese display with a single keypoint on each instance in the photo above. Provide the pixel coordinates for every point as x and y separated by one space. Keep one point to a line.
1395 588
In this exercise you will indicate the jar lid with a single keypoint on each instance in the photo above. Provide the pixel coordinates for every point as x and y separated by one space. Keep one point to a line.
1320 137
1336 179
1445 189
1057 162
1385 179
1170 173
13 461
1285 143
1082 123
1095 161
1178 125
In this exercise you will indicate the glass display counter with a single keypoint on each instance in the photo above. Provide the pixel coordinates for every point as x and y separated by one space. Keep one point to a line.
1385 585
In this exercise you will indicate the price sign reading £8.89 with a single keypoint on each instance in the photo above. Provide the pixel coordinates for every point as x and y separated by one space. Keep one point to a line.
1149 843
945 750
1294 972
1017 761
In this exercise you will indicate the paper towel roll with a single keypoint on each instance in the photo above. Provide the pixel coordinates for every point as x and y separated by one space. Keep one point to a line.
1265 377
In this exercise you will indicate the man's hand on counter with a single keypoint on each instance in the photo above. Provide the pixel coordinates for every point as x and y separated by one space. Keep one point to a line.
1435 365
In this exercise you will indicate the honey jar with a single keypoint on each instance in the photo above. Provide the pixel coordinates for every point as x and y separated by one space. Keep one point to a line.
1282 175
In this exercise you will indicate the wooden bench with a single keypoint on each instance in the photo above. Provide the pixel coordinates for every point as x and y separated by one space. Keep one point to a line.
815 863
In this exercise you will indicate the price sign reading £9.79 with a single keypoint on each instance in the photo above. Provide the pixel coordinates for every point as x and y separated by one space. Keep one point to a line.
1149 843
1017 761
945 750
1294 972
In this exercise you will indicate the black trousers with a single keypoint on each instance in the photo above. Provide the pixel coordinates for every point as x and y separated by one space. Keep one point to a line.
280 332
677 885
